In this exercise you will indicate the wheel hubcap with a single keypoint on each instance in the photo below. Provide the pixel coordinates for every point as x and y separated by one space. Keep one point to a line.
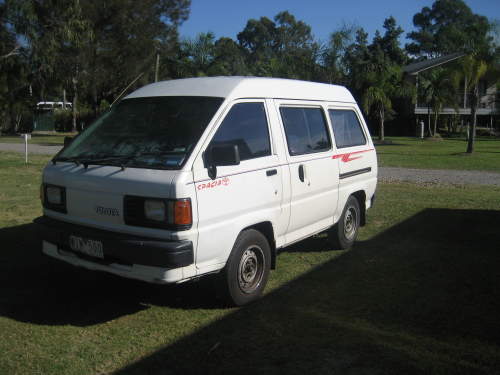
251 269
350 223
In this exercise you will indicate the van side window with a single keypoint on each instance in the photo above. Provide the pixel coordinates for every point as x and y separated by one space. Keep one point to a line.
245 126
305 129
346 128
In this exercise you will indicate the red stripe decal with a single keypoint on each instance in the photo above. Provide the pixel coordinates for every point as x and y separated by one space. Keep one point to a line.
347 157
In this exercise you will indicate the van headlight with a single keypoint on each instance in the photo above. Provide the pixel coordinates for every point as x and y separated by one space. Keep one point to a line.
173 214
155 209
54 195
54 198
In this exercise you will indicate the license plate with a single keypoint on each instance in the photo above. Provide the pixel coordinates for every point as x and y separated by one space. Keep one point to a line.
86 246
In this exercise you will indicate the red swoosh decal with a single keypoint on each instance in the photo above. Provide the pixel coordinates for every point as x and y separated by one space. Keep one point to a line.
347 157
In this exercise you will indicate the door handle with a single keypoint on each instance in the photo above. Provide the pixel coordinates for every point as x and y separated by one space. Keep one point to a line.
271 172
301 172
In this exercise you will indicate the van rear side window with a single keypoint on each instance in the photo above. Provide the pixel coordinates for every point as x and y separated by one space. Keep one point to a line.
346 128
305 130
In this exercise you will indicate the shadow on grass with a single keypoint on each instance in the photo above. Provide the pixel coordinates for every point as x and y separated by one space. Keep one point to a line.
39 290
421 297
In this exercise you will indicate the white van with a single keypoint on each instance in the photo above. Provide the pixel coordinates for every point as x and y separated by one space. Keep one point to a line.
197 176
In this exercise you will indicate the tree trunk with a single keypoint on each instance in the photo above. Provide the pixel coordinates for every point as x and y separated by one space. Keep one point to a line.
75 99
381 131
429 119
435 123
472 127
436 115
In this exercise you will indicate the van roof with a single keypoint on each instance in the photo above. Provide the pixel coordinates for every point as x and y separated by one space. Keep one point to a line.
246 87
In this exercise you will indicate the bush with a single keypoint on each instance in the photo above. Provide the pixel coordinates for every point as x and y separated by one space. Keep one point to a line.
63 120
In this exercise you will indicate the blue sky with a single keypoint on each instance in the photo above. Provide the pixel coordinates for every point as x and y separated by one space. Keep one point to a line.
229 17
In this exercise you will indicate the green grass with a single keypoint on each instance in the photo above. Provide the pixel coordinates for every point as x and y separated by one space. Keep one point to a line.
444 154
39 139
417 294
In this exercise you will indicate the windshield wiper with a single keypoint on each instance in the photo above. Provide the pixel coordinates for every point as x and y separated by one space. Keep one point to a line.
119 160
160 153
88 160
75 160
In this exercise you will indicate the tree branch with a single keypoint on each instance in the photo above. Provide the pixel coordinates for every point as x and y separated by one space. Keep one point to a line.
15 51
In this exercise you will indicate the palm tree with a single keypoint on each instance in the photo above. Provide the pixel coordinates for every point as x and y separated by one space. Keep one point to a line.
440 86
384 83
473 70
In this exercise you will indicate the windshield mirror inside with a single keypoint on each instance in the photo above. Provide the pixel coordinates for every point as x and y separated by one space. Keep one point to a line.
153 132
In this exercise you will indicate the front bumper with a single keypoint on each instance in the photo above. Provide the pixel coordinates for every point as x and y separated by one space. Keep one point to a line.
118 248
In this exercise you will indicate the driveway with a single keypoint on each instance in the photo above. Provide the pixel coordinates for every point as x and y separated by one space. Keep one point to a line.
438 176
32 148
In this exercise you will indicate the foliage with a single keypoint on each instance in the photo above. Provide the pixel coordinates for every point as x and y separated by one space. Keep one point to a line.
96 51
439 87
77 46
449 26
283 48
379 78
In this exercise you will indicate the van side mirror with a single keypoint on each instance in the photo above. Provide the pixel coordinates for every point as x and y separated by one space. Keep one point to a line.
221 155
67 141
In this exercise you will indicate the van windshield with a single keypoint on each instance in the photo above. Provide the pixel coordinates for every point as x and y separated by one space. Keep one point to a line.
153 132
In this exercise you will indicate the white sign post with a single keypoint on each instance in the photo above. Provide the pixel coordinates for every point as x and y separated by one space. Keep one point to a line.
26 137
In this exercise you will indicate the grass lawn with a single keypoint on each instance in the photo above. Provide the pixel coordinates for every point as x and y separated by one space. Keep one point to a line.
445 154
54 139
417 294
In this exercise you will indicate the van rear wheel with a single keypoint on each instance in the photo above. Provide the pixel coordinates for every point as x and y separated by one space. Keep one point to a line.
247 270
343 234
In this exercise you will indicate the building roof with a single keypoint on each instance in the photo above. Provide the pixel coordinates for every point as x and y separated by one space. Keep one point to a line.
246 87
420 66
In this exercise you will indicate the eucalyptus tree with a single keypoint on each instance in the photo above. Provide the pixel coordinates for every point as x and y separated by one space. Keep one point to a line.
334 55
128 36
284 47
198 53
448 26
94 48
229 59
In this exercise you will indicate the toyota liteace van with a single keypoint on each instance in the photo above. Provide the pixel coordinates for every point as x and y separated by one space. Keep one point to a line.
200 176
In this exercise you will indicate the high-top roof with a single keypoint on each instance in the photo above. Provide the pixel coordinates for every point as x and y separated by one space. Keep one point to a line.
246 87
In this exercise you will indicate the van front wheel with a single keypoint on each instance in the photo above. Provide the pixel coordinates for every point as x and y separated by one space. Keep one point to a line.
343 234
247 270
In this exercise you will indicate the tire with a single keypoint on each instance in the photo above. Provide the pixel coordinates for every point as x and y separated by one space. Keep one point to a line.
343 234
246 272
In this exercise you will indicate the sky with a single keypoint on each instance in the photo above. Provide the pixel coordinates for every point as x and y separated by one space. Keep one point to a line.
229 17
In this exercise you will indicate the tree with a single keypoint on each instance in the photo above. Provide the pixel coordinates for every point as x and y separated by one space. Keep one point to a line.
448 26
198 53
283 48
376 73
389 42
128 35
334 55
229 59
108 43
357 57
473 69
383 83
439 87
